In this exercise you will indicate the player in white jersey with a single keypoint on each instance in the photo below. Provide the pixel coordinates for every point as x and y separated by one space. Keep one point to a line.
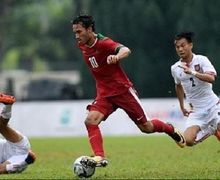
15 153
193 75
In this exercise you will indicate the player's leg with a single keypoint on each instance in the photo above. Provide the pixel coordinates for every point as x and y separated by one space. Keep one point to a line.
98 112
15 157
197 127
15 144
195 135
96 141
159 126
7 132
17 163
131 104
206 122
190 134
204 134
95 137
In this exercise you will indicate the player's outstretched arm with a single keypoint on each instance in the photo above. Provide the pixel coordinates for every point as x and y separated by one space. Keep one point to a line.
123 52
210 78
207 77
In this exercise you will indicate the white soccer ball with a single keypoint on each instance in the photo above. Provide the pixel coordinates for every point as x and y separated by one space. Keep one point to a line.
82 171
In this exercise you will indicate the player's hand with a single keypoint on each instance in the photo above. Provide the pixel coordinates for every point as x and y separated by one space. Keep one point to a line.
186 112
112 59
185 68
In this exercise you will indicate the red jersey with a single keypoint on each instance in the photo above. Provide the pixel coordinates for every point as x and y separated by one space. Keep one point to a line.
110 78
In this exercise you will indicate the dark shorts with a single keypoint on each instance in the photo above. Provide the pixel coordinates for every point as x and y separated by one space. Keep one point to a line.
127 101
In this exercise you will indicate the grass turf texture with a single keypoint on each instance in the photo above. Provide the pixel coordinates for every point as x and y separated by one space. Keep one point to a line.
141 157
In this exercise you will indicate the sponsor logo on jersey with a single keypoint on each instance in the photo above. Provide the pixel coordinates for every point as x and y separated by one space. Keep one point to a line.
197 67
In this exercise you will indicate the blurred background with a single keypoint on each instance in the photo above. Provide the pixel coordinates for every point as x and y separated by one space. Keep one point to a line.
39 59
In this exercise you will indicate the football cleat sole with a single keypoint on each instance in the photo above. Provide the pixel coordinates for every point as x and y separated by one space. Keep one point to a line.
7 99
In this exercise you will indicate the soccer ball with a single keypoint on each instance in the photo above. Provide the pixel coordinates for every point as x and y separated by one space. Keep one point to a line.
82 171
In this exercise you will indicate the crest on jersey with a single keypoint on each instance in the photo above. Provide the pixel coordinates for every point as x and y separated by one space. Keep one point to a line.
197 67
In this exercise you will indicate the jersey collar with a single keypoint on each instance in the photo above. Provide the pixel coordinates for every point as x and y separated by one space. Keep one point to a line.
96 39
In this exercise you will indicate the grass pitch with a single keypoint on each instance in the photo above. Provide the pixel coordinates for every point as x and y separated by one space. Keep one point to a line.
139 157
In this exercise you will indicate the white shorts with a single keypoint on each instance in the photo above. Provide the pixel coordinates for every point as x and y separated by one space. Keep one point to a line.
14 152
205 118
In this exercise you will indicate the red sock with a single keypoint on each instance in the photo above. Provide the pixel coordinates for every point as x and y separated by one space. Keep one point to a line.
160 126
95 139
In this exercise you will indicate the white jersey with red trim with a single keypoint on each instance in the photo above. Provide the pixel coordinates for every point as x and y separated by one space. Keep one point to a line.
198 93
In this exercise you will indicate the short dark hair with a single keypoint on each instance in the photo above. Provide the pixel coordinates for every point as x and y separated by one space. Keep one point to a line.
187 35
86 20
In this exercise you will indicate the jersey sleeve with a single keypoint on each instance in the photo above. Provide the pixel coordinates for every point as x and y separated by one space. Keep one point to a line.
208 67
112 46
173 73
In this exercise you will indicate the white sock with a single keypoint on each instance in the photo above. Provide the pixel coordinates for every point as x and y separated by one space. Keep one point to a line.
6 111
204 134
16 167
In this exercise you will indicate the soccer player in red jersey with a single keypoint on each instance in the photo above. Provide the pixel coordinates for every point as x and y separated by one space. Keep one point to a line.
114 89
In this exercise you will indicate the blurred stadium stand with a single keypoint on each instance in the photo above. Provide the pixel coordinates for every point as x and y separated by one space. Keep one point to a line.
54 85
50 89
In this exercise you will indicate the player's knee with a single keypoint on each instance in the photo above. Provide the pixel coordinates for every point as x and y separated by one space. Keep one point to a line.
87 121
190 141
92 120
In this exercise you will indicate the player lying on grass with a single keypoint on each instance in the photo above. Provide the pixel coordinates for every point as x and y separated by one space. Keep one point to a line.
114 89
15 152
193 75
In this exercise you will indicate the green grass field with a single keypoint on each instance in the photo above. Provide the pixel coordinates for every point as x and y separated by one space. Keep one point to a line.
141 157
